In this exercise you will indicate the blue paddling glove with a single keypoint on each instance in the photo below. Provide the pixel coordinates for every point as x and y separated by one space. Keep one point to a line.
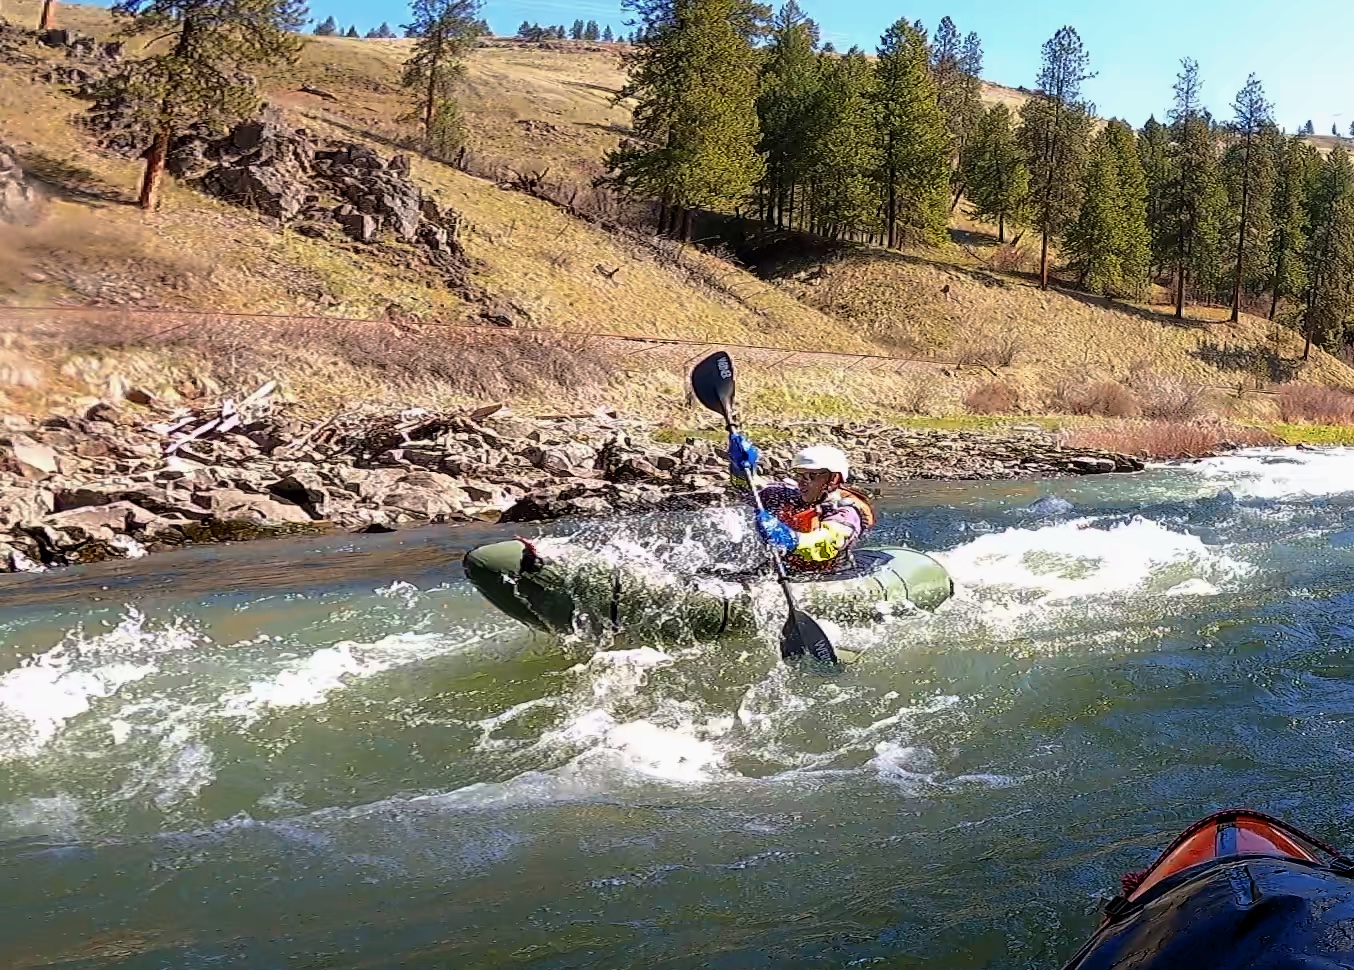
743 454
776 533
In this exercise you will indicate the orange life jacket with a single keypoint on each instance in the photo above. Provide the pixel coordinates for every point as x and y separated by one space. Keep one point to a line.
808 518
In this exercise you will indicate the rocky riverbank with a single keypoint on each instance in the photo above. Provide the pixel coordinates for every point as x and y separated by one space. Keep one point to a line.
118 480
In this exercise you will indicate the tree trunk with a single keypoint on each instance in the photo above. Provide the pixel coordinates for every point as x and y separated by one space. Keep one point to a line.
155 170
1001 227
430 97
891 216
48 20
1241 235
1279 268
1180 292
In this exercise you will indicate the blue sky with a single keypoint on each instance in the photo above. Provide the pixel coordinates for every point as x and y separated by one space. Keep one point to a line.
1303 50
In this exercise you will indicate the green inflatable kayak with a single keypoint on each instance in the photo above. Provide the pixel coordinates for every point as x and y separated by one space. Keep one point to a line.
551 583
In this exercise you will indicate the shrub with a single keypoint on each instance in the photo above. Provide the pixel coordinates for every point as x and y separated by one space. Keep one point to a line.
1315 404
993 398
1162 440
1106 399
1165 398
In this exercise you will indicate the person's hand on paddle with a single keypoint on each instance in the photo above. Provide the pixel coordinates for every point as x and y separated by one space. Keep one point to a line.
743 454
775 532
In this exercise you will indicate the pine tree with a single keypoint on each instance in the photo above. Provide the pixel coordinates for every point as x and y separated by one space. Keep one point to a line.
1295 163
327 29
1197 196
1154 151
846 196
1309 128
199 78
384 32
1330 254
446 31
914 145
607 35
371 34
1351 129
1054 127
955 66
352 32
1335 129
524 30
1108 244
1254 171
785 109
591 31
576 32
694 81
997 180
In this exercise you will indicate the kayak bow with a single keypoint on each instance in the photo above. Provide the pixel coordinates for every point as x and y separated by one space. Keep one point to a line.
1236 889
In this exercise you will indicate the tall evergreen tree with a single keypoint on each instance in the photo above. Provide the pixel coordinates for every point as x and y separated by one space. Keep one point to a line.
352 32
846 195
1054 127
576 32
1351 129
1253 168
1308 128
1329 308
607 35
1154 151
955 66
1295 163
786 108
591 31
327 29
997 180
694 81
199 77
446 30
1108 245
1198 196
914 145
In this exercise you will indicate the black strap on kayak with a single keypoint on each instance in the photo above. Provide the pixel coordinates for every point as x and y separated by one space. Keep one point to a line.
616 599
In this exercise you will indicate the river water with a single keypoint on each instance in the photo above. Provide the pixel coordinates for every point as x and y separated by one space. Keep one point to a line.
331 753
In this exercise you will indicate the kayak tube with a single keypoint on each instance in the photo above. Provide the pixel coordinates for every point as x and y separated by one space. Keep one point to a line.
551 585
1238 889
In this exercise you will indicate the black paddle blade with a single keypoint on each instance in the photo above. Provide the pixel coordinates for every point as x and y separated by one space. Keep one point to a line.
802 636
712 380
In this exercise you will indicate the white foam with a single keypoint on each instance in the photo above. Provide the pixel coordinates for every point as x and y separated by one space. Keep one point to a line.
48 691
311 681
1079 558
1281 473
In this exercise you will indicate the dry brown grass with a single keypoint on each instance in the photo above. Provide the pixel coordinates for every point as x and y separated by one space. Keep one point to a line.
1166 440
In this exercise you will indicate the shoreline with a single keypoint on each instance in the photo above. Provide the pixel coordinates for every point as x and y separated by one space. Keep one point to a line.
120 481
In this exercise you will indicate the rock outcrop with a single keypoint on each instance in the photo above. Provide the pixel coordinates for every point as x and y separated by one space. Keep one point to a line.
118 481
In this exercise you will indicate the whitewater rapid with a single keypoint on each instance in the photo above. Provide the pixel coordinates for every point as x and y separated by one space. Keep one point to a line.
146 717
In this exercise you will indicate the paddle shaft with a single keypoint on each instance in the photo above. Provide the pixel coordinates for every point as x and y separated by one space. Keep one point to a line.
781 575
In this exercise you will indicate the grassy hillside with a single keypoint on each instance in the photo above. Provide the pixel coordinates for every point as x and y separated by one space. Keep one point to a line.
543 107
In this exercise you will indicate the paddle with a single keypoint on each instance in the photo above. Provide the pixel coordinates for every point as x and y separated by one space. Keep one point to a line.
712 380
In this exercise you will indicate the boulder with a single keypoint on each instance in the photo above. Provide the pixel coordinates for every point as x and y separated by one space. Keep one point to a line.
20 506
31 460
20 203
358 226
266 189
231 503
306 489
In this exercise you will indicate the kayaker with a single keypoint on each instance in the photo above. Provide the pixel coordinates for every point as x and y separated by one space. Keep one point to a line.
815 520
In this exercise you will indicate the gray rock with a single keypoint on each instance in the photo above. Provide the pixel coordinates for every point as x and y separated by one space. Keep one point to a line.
231 503
20 203
359 226
266 189
36 462
21 506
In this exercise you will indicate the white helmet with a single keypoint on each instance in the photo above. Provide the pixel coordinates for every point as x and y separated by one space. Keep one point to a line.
823 457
